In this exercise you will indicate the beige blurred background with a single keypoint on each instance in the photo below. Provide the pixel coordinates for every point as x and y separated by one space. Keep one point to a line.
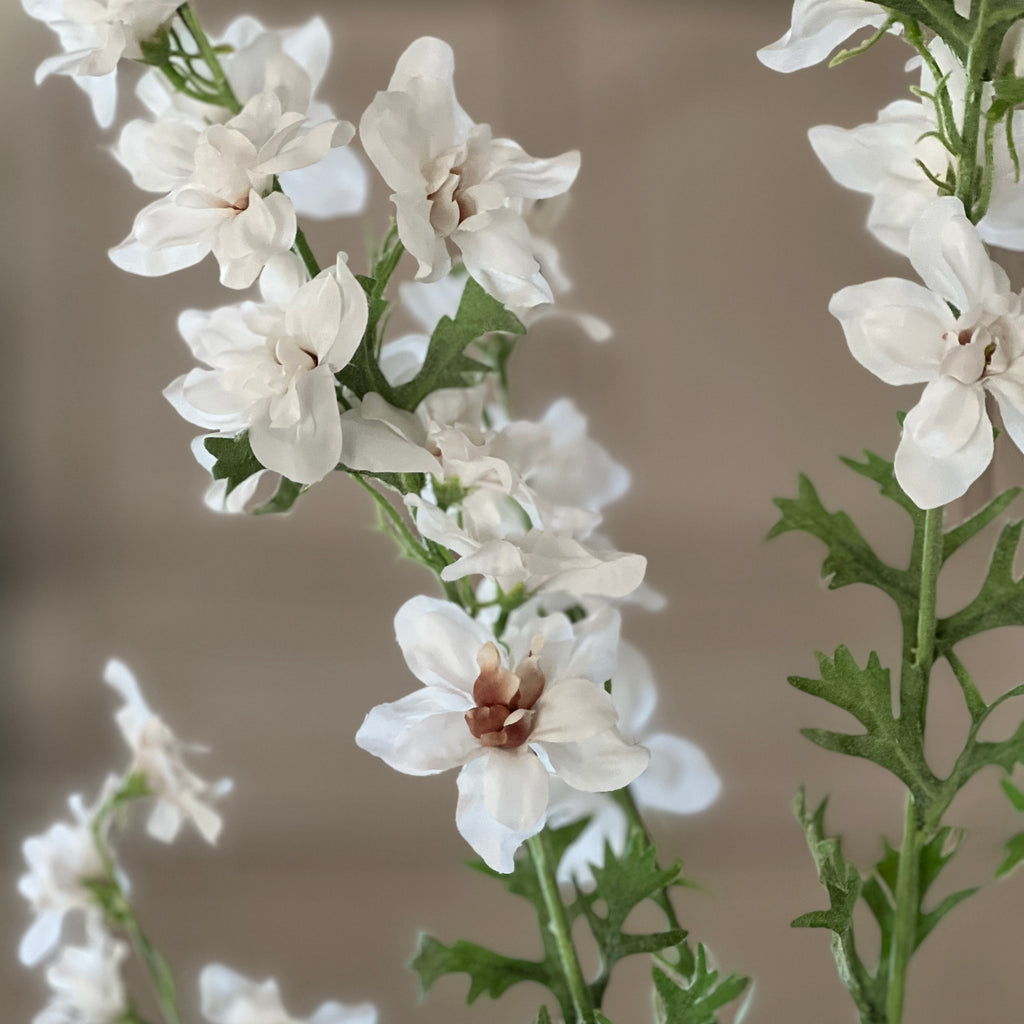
705 231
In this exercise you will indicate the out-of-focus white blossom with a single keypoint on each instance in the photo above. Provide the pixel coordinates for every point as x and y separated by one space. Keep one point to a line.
86 981
908 334
818 27
158 756
160 153
881 159
228 997
272 367
60 863
227 205
509 720
95 35
680 779
454 183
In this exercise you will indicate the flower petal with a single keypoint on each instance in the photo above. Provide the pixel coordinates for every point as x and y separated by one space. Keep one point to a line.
894 328
440 642
515 788
679 779
930 466
599 764
572 709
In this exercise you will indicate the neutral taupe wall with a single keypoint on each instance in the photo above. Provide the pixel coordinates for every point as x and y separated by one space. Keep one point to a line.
704 230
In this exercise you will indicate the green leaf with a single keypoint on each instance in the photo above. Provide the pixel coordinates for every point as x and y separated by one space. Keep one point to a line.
850 558
489 973
696 1000
958 536
880 470
867 695
543 1017
236 463
1014 847
283 499
1016 797
1000 602
842 882
446 364
622 884
235 460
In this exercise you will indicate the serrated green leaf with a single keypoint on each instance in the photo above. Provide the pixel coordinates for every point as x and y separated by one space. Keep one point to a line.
696 1000
850 558
867 695
1015 796
543 1017
1000 602
490 973
842 882
960 535
880 470
446 364
235 460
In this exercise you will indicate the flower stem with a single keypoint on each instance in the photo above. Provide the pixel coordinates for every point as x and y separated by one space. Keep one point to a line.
908 900
931 563
967 166
580 1003
209 55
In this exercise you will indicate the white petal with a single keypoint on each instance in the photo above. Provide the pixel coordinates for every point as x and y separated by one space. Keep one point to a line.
338 1013
336 186
1008 389
572 709
495 843
515 788
927 467
894 328
307 451
599 764
422 734
818 27
440 642
42 935
679 779
948 253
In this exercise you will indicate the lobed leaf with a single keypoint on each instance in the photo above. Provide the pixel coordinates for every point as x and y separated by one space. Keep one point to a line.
1000 602
696 1000
489 973
867 695
850 558
446 364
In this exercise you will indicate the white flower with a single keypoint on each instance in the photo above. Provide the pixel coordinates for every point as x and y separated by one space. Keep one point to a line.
273 365
230 998
227 206
86 981
818 27
680 779
454 183
160 153
881 159
907 334
60 863
157 754
95 35
492 534
507 721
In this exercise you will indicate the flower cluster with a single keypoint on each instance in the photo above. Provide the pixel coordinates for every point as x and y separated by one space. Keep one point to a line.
73 872
526 688
962 334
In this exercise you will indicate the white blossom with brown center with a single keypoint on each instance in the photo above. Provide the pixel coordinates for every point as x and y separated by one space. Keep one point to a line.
508 728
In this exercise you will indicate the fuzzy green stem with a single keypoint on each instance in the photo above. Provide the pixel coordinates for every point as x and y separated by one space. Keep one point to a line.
908 902
931 563
558 926
967 184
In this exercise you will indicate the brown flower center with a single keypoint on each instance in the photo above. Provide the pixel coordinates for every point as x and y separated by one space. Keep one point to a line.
504 715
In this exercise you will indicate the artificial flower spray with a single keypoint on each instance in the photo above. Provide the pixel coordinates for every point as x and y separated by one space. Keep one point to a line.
518 678
942 169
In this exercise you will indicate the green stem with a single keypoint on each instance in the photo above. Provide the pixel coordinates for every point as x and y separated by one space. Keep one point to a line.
967 167
209 55
931 563
908 902
558 926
